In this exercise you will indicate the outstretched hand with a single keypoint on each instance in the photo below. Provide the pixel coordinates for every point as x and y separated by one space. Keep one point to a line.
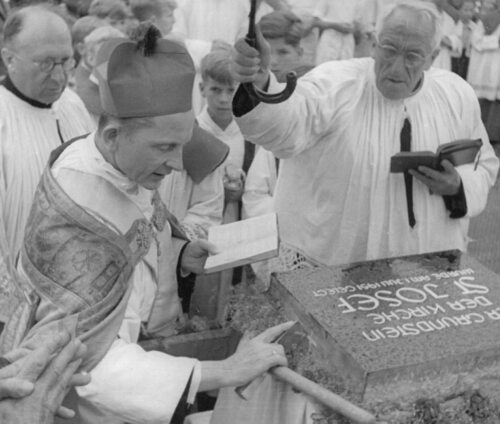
254 356
443 183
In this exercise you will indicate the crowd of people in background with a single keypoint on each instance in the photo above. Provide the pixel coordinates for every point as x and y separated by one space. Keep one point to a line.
240 154
302 35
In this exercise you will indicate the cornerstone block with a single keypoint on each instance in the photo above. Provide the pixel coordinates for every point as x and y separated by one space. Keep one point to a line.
400 319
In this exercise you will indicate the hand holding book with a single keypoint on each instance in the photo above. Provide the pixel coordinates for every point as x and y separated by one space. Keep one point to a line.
243 242
445 182
437 170
457 153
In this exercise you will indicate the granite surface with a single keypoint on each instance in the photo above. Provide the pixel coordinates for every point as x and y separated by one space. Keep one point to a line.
411 317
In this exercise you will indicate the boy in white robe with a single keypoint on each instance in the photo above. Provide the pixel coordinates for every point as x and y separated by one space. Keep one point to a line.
217 88
336 200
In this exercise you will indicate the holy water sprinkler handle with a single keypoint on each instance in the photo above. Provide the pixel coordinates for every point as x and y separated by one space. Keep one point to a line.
291 77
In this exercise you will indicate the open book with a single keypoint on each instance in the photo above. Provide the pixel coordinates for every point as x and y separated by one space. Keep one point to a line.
243 242
457 152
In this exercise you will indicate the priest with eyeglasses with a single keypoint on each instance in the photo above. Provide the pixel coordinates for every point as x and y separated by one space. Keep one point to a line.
37 111
336 199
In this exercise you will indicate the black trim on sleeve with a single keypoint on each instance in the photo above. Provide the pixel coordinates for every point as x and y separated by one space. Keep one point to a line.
179 263
456 204
243 102
185 290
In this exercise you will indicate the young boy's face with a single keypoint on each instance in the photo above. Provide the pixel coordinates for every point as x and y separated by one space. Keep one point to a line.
219 97
284 57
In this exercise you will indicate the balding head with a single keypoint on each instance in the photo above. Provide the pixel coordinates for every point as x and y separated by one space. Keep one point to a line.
413 14
407 43
34 24
33 37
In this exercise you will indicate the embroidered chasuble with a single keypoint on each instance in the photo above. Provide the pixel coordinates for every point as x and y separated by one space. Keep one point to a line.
93 252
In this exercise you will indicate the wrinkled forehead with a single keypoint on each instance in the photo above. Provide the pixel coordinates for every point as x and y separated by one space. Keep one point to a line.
403 28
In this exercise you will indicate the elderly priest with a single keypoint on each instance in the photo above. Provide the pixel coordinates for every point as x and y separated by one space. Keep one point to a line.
336 199
37 111
100 245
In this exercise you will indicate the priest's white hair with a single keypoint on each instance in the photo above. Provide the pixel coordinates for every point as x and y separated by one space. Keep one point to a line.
419 8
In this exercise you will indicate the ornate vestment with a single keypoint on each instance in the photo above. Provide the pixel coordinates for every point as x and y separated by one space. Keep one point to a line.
83 241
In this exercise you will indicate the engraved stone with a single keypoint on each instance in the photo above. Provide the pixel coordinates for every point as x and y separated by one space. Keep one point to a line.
410 318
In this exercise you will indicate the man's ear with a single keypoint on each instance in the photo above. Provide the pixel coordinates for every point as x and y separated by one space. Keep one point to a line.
202 86
110 136
300 51
7 57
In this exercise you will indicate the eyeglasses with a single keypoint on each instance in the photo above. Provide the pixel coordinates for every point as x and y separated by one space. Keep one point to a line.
411 59
47 66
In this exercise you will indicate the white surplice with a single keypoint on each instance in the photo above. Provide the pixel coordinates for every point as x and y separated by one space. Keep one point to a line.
336 200
210 20
27 136
334 45
453 31
129 384
258 199
197 206
231 136
260 183
484 65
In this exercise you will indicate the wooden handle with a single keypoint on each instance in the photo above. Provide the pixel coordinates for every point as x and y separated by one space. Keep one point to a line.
327 398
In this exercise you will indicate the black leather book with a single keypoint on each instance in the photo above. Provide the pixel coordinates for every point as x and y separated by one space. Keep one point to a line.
457 152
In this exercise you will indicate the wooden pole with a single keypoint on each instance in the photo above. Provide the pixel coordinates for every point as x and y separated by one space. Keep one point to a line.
325 397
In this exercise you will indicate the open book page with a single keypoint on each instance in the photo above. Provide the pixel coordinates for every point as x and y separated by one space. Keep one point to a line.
243 242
